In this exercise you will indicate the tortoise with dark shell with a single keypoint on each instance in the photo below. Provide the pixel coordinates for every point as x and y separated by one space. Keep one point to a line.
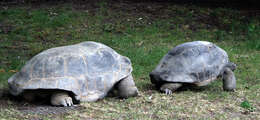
193 63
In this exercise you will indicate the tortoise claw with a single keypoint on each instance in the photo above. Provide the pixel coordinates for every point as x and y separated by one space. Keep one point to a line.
167 91
61 99
63 103
69 101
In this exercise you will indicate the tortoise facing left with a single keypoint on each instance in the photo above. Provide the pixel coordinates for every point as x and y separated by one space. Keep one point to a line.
193 63
83 72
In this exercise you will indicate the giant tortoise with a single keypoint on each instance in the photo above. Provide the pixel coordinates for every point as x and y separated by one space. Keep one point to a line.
85 71
193 63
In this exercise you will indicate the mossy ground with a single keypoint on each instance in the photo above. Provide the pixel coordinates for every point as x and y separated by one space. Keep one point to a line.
144 32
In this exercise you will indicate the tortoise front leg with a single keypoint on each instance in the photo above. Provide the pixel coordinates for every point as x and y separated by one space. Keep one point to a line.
126 87
61 99
168 88
229 80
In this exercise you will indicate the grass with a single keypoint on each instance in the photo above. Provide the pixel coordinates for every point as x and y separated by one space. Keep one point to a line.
144 32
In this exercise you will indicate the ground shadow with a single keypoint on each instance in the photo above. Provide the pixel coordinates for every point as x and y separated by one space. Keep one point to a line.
40 107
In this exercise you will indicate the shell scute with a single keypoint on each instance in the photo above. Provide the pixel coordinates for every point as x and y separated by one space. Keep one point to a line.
191 62
54 67
88 69
75 66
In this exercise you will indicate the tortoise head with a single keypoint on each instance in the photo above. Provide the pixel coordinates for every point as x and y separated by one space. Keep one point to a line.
156 79
232 66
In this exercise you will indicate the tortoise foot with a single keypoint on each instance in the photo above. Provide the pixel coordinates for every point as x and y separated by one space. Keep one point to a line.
61 99
168 88
167 91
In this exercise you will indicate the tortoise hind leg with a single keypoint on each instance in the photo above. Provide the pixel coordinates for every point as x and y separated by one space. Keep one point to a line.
61 99
168 88
229 80
126 87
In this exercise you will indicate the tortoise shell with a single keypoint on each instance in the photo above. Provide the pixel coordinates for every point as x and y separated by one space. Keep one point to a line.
88 69
197 62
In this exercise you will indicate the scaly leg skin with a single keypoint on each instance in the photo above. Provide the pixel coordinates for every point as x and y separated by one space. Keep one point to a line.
126 87
61 99
229 80
168 88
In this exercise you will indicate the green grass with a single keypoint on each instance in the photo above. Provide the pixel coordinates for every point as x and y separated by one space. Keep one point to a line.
145 38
